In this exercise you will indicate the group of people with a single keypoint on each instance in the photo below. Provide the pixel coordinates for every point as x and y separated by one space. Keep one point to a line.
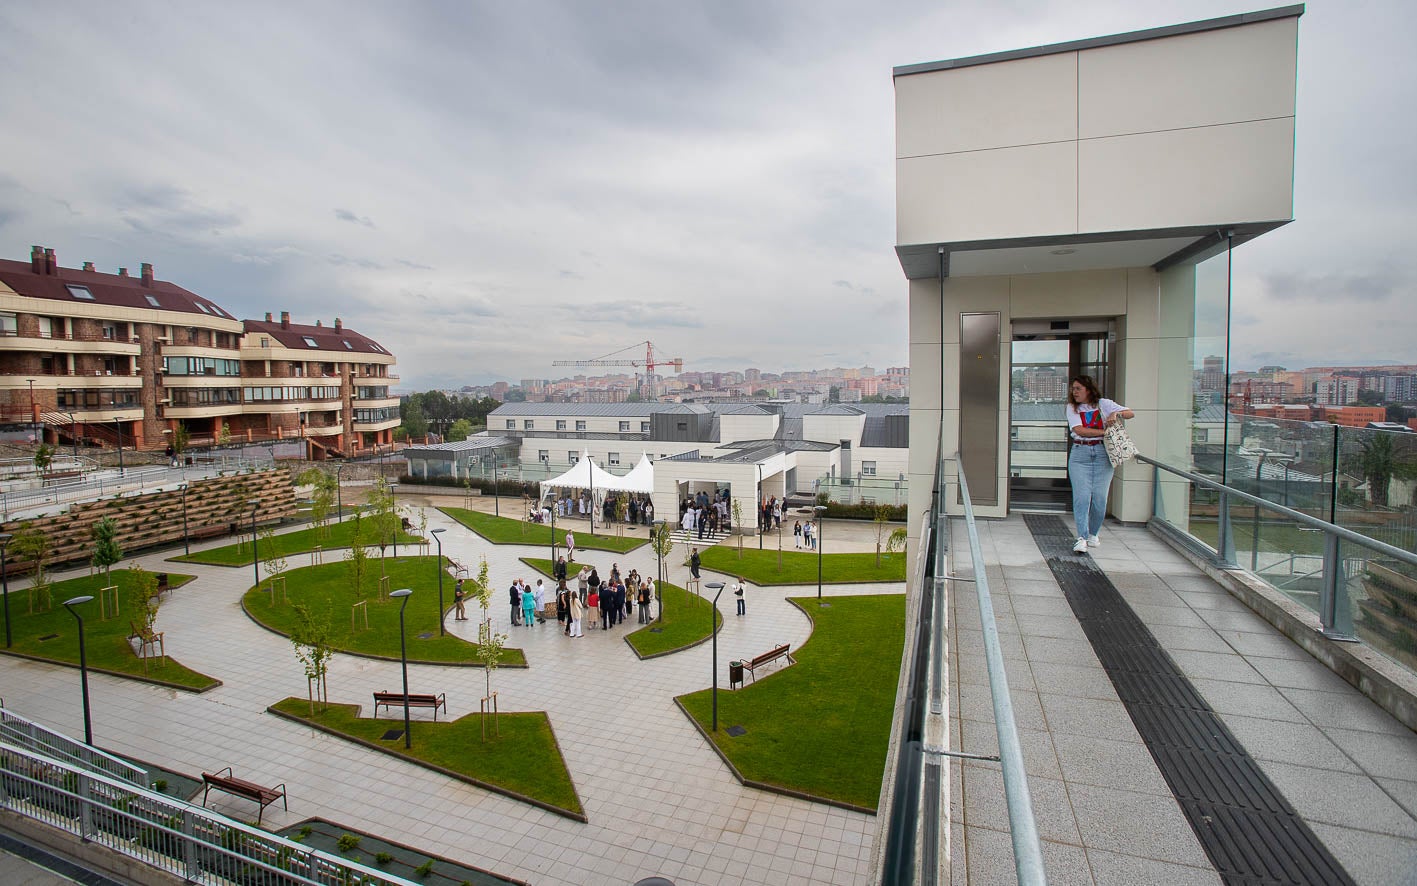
804 535
607 601
639 509
702 514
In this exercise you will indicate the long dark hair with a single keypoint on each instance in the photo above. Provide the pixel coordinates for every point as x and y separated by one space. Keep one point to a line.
1093 394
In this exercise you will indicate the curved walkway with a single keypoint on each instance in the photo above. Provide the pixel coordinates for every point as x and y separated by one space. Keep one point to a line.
659 800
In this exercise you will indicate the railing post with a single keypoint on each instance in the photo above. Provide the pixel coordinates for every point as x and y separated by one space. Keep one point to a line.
1225 537
189 847
85 791
1335 612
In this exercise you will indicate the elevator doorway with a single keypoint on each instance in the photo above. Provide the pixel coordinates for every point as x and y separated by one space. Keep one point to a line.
1044 356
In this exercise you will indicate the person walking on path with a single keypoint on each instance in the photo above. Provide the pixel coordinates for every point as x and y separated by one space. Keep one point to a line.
581 581
593 607
516 592
570 546
1089 470
558 571
694 563
528 606
738 592
459 602
563 607
538 595
577 613
646 594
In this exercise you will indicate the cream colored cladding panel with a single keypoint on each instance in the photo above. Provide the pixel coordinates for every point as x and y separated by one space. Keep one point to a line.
1213 175
1022 102
1230 75
1078 294
984 195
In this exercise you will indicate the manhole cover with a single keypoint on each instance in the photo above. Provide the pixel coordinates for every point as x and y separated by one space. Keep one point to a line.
425 636
392 734
736 731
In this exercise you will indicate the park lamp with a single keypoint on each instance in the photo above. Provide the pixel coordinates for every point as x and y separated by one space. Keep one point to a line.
5 538
255 503
713 627
83 663
817 539
403 594
437 536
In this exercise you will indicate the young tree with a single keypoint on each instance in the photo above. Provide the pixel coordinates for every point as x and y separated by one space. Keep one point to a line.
459 430
881 518
323 488
274 562
311 638
143 598
1381 456
738 524
358 554
106 551
223 434
43 458
33 545
383 513
180 438
662 542
622 511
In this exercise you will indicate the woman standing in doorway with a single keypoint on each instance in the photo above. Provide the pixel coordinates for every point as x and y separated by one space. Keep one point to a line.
1089 471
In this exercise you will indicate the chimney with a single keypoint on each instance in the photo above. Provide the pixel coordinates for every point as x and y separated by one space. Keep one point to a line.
284 319
269 318
147 274
122 272
88 266
339 324
37 259
319 322
51 264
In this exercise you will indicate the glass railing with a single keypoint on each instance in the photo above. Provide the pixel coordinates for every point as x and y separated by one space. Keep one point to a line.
893 491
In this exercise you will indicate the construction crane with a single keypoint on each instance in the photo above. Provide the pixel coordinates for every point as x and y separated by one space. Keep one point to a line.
613 359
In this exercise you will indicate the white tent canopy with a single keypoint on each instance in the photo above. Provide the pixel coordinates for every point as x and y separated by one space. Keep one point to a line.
641 478
584 474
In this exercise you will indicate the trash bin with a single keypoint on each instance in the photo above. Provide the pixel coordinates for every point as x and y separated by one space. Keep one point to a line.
735 674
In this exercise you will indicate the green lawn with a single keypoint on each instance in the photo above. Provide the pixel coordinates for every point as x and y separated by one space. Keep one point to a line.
522 758
105 642
820 726
800 567
329 591
506 531
303 541
683 622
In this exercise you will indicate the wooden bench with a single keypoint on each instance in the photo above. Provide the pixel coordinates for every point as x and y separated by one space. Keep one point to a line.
243 788
415 700
150 643
751 665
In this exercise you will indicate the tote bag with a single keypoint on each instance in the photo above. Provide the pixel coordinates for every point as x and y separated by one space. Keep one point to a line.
1119 444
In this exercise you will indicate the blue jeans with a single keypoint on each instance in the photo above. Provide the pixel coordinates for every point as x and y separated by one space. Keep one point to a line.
1090 473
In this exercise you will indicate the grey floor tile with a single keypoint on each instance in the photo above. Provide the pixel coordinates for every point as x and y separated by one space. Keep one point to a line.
1203 639
1371 859
1114 869
1123 765
1093 717
1052 650
1344 710
1213 666
1264 701
1295 672
1039 756
1298 743
1069 680
1144 825
1380 754
1340 798
985 804
991 860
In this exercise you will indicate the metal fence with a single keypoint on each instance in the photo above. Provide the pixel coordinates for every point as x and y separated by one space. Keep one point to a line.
23 733
167 834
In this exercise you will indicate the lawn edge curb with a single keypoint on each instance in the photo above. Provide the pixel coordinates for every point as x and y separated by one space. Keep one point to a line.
466 779
120 674
764 786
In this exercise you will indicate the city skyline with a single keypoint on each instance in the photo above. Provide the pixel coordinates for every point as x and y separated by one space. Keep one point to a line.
489 189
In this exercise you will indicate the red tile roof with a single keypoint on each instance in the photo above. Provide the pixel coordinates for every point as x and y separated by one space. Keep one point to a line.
328 338
107 289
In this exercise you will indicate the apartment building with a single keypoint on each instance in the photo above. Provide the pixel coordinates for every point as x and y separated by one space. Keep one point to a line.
112 359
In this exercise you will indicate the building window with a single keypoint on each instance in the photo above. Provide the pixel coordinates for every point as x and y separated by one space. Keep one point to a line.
543 455
644 427
560 424
309 342
614 458
511 424
624 426
110 332
528 424
265 342
681 426
868 469
152 300
79 292
573 457
580 426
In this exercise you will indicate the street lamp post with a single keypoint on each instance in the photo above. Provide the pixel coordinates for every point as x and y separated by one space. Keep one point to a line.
818 541
438 537
74 437
255 560
759 518
119 425
83 665
33 416
404 593
398 522
496 499
713 626
339 491
1255 535
659 560
186 543
5 584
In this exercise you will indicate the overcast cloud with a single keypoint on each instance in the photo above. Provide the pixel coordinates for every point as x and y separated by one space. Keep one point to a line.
487 187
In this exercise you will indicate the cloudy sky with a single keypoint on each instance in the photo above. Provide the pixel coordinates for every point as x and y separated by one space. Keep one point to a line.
485 187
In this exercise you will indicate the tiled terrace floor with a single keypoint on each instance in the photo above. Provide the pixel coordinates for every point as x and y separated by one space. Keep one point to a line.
1105 814
659 800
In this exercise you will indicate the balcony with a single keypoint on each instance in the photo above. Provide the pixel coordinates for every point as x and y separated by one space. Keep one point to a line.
82 343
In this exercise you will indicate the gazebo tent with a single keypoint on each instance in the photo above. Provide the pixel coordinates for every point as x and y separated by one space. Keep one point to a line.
640 478
584 474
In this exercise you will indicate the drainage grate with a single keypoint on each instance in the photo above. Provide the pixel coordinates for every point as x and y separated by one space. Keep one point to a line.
1249 831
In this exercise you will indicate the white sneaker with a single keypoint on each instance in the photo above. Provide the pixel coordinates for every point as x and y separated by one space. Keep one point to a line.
1080 547
1093 541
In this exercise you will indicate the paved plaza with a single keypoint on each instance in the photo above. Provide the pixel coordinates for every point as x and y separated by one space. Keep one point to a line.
660 802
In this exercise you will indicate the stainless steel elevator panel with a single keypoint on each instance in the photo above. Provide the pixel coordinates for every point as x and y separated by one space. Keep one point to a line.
979 405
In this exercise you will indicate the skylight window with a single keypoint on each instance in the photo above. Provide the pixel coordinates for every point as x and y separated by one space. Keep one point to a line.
152 300
348 346
310 342
79 291
203 308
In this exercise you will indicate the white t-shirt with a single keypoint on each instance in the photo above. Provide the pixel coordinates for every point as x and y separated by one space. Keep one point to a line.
1090 416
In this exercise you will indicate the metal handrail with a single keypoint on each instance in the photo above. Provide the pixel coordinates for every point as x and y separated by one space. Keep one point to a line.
1023 829
165 833
41 739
